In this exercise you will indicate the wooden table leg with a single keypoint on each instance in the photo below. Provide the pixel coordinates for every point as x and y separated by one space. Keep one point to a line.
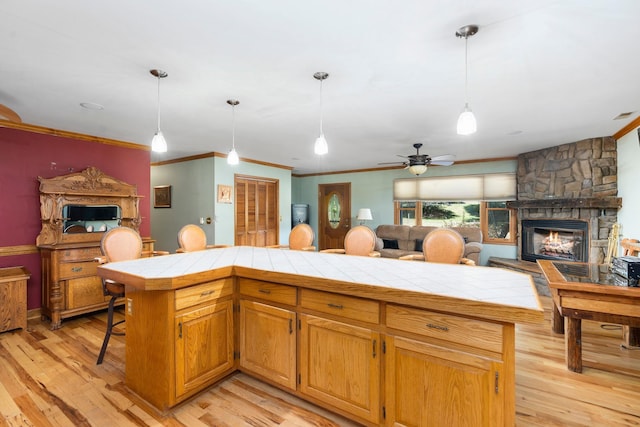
631 337
573 344
557 319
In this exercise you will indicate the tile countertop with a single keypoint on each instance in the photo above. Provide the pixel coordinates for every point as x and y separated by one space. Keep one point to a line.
489 292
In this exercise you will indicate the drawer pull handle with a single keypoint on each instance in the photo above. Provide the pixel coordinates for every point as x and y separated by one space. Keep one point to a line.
441 328
76 269
264 291
205 293
290 326
338 306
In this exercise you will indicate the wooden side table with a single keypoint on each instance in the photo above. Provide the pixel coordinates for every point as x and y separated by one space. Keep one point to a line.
13 298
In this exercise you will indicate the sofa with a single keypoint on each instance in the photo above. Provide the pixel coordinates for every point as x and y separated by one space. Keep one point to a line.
394 241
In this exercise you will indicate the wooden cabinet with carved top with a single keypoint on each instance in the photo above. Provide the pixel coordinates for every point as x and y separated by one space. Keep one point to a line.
70 285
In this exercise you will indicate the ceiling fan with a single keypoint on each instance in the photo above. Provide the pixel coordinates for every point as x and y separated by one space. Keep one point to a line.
417 163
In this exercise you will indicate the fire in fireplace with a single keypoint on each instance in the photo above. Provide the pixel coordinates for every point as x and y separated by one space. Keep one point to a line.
561 239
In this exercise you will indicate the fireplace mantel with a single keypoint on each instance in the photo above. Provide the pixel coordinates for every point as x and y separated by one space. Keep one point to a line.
584 202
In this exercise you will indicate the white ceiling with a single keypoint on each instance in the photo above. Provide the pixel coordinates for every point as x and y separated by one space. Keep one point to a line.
541 73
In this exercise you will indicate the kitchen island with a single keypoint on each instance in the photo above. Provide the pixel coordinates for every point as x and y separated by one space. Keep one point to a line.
381 341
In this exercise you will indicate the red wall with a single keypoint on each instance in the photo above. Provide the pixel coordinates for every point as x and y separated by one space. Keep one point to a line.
26 155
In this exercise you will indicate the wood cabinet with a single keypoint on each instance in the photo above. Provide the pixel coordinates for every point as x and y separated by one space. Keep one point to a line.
204 345
70 285
13 298
68 248
451 375
268 342
268 335
178 342
340 362
379 355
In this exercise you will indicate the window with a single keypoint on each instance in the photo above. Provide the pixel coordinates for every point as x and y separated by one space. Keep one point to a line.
497 222
459 201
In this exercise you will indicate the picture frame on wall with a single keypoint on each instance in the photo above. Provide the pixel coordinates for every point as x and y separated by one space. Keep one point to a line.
224 193
162 196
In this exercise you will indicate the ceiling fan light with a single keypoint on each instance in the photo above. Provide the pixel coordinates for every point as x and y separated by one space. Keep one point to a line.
158 143
418 169
467 122
232 157
321 147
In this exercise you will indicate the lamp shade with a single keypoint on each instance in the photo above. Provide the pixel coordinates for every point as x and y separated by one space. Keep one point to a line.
158 143
364 214
321 147
418 169
232 157
466 122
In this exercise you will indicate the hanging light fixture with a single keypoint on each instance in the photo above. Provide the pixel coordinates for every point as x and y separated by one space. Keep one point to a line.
467 121
321 147
418 169
232 157
158 143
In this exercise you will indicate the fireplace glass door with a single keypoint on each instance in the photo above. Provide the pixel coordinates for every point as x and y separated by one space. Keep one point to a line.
557 239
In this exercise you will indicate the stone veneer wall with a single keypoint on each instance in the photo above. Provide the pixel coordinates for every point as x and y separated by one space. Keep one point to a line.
583 169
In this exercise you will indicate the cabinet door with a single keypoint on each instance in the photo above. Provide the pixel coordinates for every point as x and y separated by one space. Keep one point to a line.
84 292
204 345
268 342
340 365
428 385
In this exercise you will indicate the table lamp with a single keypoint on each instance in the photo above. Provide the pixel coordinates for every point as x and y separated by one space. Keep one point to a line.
364 214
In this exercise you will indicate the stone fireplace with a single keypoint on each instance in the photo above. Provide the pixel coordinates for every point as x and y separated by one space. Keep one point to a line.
570 190
576 183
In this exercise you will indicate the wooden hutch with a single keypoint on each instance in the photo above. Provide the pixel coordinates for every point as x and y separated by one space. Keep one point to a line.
68 247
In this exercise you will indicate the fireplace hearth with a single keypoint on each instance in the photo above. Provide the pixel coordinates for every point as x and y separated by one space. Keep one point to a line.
556 239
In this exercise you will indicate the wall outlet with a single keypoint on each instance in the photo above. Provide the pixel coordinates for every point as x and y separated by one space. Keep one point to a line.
129 306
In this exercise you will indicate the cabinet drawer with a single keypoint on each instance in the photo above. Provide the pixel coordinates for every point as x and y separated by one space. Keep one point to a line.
340 305
268 291
70 270
194 295
84 291
79 254
474 333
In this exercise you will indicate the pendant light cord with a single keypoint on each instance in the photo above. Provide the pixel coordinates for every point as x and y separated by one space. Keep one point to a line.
233 127
321 106
158 104
466 71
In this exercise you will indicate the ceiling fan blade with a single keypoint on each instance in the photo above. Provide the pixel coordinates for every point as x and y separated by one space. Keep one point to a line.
392 163
444 160
441 163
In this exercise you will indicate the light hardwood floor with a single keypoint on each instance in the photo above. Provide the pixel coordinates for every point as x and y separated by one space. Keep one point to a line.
49 378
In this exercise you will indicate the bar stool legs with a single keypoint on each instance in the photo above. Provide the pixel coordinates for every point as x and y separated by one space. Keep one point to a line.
110 325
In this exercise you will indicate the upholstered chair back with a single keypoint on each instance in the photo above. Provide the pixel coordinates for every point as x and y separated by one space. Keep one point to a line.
443 245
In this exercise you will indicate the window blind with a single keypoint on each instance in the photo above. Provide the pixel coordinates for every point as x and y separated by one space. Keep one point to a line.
487 187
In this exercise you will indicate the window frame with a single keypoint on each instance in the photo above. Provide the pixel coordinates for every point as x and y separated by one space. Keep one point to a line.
484 220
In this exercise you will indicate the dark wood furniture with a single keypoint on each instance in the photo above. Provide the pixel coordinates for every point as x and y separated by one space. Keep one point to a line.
586 291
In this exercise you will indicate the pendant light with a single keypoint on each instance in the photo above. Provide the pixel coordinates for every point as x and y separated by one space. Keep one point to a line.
467 121
158 143
321 147
232 157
